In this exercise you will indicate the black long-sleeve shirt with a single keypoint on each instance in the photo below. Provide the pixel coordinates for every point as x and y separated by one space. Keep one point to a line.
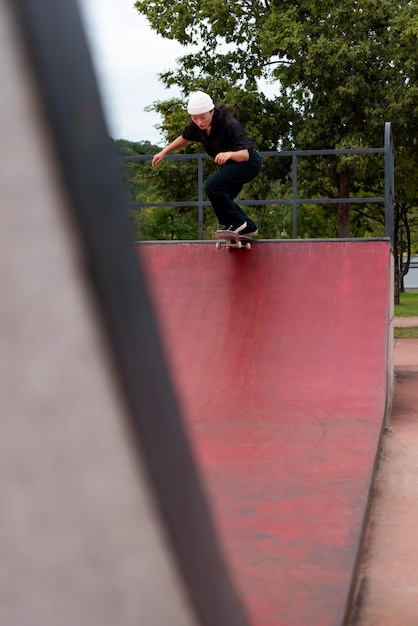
226 134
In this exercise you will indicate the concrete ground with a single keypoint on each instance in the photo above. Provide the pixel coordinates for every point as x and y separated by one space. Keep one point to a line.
388 586
406 322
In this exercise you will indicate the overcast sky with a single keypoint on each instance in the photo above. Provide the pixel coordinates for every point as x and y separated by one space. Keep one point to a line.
128 57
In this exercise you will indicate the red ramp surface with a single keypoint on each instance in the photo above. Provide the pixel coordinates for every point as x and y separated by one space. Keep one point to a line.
280 357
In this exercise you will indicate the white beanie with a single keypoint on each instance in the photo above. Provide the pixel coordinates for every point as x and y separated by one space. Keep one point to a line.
199 102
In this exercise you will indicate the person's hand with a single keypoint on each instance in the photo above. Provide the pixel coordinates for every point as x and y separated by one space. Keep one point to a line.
157 158
222 157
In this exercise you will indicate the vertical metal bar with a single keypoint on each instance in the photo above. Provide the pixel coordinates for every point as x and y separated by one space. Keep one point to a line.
392 189
200 194
294 196
389 183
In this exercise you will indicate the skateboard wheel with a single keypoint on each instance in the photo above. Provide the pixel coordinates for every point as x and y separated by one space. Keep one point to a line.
239 244
218 245
248 246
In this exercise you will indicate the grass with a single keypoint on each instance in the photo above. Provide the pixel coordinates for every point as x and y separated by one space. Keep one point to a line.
406 333
408 306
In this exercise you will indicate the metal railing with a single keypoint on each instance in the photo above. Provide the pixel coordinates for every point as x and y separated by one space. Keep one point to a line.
388 199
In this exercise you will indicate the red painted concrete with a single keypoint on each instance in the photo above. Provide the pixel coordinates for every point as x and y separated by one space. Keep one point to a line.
279 355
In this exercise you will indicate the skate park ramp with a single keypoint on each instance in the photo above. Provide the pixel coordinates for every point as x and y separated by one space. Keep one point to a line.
282 362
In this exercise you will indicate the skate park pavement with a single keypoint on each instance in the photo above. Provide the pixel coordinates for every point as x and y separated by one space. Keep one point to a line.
388 585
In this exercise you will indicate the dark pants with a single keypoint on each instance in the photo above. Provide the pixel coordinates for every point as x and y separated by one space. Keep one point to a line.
225 185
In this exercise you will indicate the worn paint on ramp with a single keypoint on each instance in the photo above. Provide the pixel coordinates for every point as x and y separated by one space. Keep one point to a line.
279 355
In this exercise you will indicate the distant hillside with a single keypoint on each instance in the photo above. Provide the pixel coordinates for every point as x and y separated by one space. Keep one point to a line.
134 148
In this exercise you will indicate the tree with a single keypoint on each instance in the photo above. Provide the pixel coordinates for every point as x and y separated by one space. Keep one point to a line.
337 73
227 61
404 111
137 190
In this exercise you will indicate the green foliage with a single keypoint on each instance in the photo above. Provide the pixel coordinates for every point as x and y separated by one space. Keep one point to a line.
135 148
332 67
137 189
336 73
172 181
165 223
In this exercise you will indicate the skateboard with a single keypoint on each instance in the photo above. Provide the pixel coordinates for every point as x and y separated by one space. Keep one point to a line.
229 240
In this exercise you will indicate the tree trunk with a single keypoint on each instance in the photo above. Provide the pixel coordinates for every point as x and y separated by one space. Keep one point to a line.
343 215
396 290
400 246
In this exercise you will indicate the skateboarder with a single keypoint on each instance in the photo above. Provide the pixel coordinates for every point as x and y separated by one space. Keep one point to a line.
224 139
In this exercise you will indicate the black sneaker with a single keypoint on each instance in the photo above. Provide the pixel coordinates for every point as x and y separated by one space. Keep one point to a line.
238 229
251 229
245 228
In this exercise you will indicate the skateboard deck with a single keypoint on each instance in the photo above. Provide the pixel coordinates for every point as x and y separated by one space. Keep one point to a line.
229 240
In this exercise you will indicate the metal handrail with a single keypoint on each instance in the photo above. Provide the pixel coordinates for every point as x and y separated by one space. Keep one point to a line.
387 199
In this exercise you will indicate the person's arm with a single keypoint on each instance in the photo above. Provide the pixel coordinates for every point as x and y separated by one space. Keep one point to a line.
231 155
178 143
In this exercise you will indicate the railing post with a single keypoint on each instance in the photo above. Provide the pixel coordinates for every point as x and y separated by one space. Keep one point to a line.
200 194
294 196
389 183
